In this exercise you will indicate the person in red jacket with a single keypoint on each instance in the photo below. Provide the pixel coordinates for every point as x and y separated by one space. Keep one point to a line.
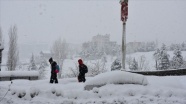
82 70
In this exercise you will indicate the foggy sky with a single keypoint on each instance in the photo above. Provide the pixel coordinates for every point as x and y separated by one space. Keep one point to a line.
43 21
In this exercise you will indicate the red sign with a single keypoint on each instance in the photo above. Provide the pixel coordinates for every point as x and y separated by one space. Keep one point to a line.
124 11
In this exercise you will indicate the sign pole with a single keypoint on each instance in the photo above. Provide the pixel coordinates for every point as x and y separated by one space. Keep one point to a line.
124 45
124 17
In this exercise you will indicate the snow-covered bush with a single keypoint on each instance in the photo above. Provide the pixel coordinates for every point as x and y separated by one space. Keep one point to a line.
53 90
134 65
21 93
95 90
116 65
34 92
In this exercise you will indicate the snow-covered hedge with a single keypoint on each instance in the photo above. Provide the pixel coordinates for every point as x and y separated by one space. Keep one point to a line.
12 75
115 77
18 73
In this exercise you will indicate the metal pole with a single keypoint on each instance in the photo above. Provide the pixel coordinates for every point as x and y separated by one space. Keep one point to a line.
124 45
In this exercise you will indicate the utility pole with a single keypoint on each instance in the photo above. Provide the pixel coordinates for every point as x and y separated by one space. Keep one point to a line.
124 17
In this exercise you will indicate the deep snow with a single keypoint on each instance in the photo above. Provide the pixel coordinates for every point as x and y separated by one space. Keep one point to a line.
162 90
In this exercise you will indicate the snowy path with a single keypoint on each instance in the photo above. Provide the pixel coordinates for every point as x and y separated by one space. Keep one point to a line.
162 90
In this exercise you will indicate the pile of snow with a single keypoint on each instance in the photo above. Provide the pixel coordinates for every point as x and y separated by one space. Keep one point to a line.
115 77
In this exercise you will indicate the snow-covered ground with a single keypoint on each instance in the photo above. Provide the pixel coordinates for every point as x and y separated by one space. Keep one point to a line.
160 90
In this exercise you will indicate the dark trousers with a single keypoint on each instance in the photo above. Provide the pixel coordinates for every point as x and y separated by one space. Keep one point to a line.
81 78
53 78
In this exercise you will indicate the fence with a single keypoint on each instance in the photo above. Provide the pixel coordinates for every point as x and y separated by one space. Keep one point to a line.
177 72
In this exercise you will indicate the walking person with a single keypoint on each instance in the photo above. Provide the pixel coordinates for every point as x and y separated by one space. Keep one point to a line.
53 77
82 70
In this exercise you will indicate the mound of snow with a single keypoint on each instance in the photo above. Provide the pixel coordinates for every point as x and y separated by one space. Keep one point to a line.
115 77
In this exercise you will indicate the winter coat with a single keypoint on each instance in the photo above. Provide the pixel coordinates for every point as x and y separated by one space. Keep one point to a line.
82 69
53 67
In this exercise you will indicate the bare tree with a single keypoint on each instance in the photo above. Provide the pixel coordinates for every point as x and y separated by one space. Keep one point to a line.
13 54
59 51
143 64
96 68
74 72
129 60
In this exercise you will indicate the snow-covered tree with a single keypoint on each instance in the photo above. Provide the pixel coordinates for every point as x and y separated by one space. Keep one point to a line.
32 65
163 59
177 60
42 69
116 65
13 54
43 60
60 51
134 65
41 63
183 46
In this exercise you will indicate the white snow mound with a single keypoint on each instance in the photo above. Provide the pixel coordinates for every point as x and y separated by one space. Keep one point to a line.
115 77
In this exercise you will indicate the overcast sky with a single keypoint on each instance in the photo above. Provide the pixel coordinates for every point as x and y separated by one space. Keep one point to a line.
43 21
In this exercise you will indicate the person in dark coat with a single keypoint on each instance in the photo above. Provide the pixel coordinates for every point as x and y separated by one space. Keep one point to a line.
53 77
82 70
